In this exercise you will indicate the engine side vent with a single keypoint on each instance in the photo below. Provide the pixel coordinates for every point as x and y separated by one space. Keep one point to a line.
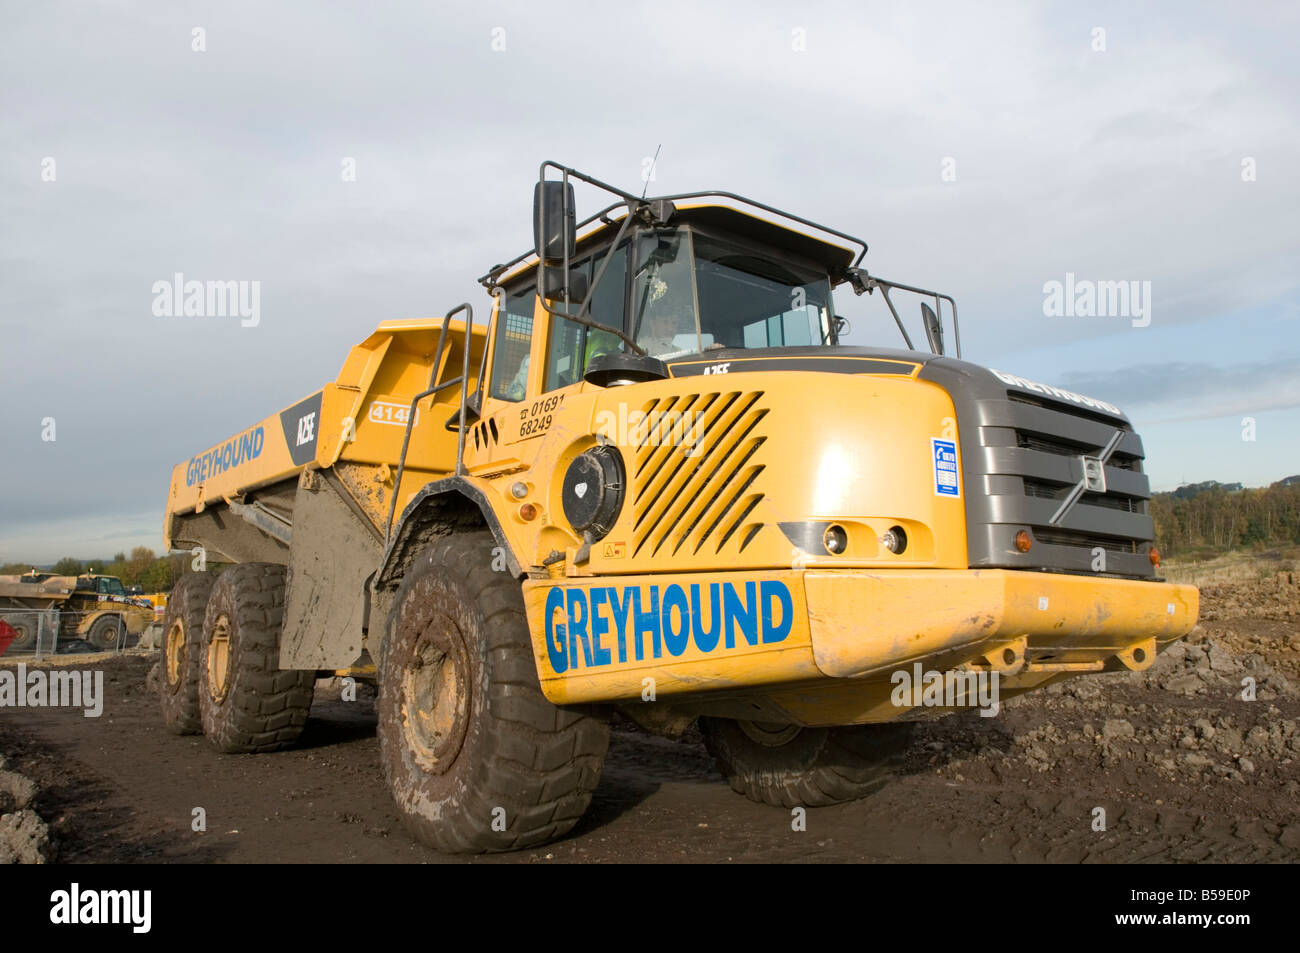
696 477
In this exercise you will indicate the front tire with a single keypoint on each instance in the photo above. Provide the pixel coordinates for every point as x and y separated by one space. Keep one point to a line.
791 766
182 653
247 703
107 633
476 758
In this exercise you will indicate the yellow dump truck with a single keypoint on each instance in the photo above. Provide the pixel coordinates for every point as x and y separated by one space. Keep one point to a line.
91 606
657 482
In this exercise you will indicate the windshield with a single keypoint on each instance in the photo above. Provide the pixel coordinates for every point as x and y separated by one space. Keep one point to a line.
693 292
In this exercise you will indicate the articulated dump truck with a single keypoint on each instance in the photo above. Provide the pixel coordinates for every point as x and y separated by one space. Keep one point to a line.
657 483
91 607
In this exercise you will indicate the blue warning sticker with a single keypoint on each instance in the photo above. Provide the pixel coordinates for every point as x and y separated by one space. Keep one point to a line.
946 482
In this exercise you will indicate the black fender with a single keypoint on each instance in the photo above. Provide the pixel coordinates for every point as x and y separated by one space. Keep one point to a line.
443 506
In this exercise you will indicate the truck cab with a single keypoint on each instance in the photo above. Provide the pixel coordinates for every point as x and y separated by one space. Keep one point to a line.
720 279
101 585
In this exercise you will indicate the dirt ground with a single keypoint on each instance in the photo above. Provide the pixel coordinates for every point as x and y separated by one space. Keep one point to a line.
1183 767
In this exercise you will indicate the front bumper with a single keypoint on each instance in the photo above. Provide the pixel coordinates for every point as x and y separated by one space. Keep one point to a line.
1048 621
798 633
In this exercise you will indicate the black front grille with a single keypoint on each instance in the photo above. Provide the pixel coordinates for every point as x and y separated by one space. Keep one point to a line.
1028 456
1022 456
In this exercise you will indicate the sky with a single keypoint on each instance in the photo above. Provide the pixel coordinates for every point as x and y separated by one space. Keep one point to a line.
982 150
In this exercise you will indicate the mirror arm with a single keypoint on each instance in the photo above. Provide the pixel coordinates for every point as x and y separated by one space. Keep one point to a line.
585 307
938 320
594 325
884 293
566 171
580 317
863 283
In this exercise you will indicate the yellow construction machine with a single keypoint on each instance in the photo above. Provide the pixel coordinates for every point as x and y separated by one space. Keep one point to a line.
657 482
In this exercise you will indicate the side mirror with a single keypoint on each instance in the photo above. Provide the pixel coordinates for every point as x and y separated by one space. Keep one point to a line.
554 220
933 328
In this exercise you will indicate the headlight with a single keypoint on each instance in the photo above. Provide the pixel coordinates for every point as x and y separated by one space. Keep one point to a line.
592 493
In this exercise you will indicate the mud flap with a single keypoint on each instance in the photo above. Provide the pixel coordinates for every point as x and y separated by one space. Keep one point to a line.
334 552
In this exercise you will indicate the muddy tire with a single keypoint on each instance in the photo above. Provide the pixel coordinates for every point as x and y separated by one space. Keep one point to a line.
26 627
107 632
476 758
182 653
809 767
247 703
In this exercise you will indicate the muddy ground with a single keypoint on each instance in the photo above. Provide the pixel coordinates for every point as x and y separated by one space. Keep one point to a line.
1185 769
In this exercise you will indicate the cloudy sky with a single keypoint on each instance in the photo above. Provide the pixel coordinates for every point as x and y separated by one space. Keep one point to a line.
985 151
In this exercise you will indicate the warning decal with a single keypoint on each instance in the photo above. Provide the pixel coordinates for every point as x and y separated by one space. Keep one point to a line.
945 467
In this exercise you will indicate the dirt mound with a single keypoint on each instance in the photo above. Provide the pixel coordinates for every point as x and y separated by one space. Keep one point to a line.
1273 597
24 837
1214 665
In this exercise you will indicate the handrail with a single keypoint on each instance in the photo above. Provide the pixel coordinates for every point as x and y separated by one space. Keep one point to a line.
462 380
634 202
884 284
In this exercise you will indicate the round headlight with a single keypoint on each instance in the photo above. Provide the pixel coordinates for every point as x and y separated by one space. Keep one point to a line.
592 493
895 540
835 540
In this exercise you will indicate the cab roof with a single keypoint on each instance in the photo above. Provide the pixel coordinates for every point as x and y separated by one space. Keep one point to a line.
834 257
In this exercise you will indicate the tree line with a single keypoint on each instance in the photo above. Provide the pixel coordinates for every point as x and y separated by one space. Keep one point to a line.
1218 518
143 567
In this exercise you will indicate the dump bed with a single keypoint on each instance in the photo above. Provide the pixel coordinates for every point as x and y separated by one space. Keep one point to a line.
360 416
53 589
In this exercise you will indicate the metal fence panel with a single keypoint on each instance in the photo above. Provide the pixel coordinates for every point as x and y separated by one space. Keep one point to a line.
31 632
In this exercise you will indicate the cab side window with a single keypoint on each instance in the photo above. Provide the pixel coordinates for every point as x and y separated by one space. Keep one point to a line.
514 337
573 346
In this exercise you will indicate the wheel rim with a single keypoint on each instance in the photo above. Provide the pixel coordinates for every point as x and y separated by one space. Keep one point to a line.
175 652
435 698
219 659
767 734
109 634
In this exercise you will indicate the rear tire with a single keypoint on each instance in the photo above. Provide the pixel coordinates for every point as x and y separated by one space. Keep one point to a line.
476 758
182 653
26 637
247 703
790 766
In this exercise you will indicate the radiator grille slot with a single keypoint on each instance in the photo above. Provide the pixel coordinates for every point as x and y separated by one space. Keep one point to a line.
1085 540
695 476
1044 490
1065 448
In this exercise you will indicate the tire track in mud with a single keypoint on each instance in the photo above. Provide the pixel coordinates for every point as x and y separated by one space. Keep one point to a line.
121 789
